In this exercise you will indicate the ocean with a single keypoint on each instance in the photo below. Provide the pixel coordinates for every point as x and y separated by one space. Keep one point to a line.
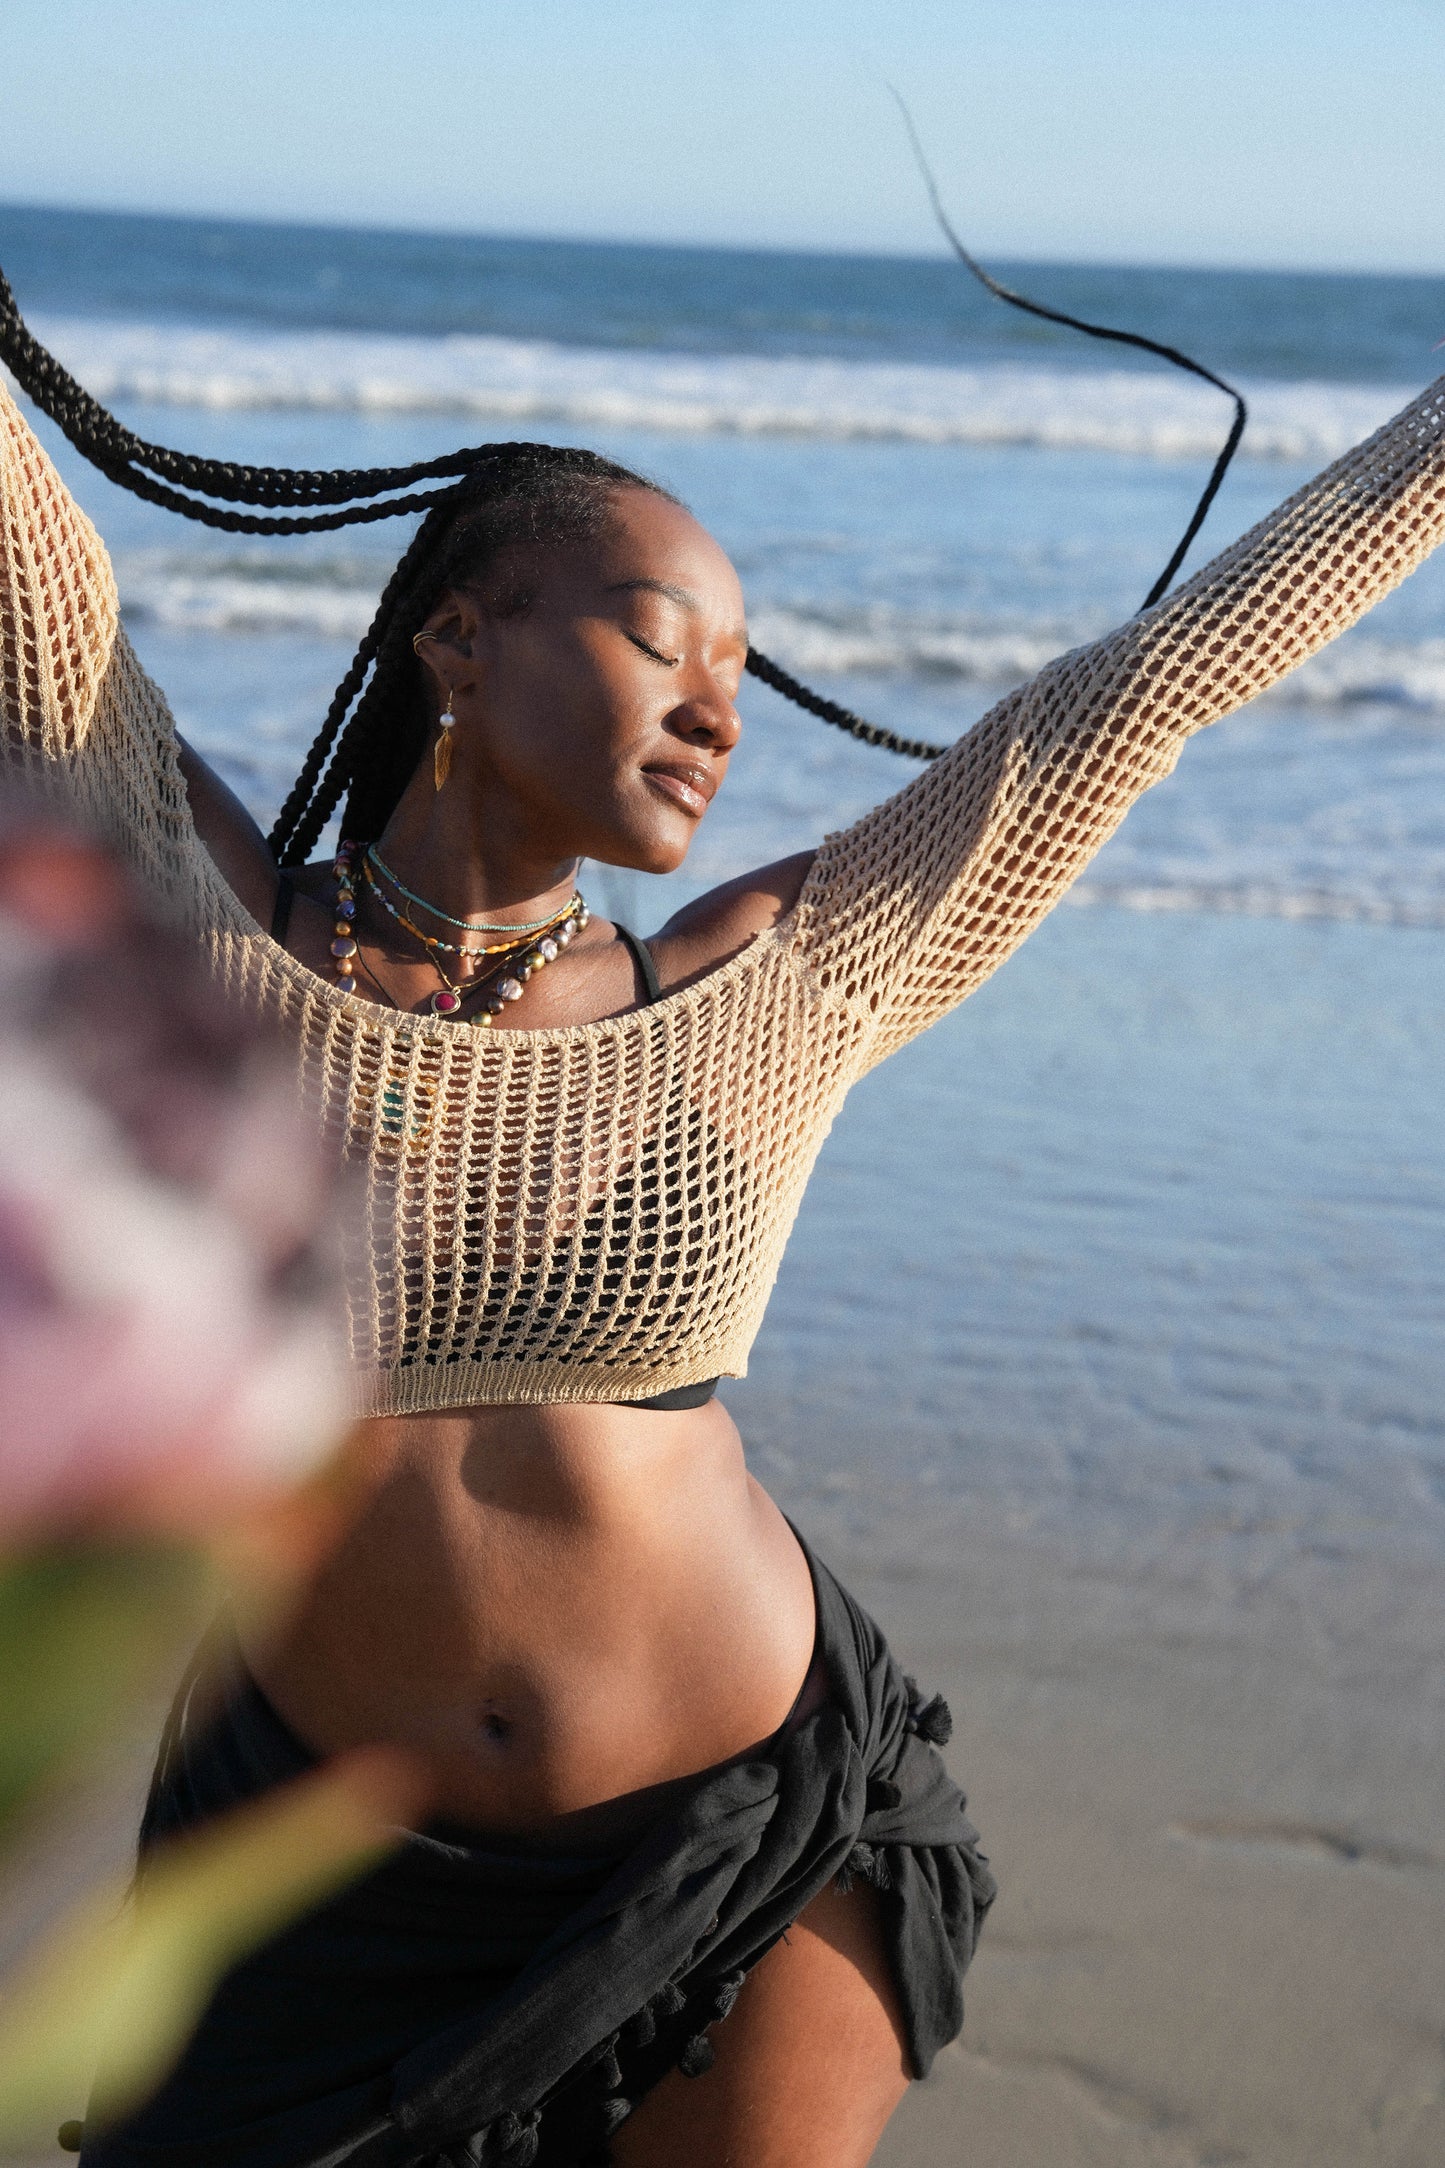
1144 1244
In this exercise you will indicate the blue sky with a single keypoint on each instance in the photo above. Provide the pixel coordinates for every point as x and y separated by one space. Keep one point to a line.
1281 132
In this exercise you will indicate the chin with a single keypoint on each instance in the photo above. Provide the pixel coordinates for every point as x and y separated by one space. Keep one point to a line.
656 859
649 852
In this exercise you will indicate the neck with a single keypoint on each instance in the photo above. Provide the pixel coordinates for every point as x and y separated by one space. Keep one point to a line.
438 846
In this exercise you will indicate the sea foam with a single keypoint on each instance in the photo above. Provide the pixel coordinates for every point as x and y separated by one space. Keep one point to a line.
513 383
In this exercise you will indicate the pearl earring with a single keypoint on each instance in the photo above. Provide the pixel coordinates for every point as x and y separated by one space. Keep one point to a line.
442 755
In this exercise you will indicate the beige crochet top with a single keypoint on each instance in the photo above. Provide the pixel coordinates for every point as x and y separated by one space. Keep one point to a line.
598 1212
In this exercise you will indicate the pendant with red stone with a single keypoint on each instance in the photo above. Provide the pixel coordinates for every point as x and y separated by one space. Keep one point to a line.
444 1001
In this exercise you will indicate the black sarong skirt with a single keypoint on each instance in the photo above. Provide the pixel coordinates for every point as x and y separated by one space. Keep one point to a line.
465 2005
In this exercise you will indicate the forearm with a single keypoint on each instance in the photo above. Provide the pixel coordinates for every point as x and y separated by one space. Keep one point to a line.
921 900
81 724
59 616
1098 726
1300 578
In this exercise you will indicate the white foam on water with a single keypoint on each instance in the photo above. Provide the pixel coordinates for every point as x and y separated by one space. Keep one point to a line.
520 383
1257 899
1405 674
181 598
878 642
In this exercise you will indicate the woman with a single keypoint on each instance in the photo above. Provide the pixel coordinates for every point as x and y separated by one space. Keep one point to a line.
678 1772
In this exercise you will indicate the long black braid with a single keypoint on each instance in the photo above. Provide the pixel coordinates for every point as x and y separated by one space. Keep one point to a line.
485 497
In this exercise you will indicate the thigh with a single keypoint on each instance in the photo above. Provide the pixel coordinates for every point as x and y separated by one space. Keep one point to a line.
809 2063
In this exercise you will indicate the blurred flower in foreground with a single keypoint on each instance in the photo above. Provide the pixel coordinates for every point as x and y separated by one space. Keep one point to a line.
171 1383
102 2008
168 1347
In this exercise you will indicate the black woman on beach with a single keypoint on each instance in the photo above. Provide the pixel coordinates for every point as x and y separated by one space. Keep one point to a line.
698 1884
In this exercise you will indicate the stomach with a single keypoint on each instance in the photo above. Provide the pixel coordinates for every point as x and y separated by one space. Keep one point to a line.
565 1611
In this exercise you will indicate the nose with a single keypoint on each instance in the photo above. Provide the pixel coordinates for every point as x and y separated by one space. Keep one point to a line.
707 716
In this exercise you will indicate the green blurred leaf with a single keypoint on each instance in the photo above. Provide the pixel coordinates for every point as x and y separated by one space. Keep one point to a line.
87 1632
118 1988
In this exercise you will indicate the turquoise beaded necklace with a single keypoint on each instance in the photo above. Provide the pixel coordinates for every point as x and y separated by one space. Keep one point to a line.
469 925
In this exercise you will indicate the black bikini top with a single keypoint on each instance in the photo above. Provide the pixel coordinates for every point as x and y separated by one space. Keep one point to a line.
681 1396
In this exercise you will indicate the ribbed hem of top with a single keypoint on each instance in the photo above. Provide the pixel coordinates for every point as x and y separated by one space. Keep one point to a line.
420 1388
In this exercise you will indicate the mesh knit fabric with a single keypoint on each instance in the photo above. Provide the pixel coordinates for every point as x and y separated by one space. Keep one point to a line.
597 1212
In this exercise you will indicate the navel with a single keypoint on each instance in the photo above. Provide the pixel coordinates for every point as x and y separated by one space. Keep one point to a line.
497 1728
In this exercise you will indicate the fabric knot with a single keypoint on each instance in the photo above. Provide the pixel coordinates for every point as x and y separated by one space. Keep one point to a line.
726 1993
668 2000
697 2056
883 1793
70 2137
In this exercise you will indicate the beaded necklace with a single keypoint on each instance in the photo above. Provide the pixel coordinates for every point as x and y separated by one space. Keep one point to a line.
505 982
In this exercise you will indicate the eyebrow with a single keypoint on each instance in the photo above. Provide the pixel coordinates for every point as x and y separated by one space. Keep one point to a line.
683 595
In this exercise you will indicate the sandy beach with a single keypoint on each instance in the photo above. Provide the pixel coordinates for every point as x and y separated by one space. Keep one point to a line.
1220 1832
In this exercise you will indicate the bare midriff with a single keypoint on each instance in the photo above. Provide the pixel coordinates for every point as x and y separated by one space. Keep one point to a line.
565 1610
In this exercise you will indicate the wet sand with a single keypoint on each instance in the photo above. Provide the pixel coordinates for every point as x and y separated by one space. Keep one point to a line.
1220 1831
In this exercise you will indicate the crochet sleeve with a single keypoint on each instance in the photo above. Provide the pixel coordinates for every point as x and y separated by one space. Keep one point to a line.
905 913
82 726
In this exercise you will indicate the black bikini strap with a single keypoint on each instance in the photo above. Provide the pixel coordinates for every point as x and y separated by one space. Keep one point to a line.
281 909
646 968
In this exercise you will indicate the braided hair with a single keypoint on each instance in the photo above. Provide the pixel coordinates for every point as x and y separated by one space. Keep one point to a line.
476 502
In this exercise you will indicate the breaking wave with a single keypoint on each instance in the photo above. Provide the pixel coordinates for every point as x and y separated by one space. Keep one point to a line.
521 383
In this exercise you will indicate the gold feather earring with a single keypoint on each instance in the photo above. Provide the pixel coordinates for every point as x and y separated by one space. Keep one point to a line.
442 753
446 722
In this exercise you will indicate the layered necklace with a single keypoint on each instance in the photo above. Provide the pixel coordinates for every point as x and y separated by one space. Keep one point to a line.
500 969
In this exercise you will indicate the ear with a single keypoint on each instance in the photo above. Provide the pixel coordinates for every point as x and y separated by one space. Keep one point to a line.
451 646
454 626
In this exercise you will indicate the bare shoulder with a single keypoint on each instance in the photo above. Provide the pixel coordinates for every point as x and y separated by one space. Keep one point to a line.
709 932
230 835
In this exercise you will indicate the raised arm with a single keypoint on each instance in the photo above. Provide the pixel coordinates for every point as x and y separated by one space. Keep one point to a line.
81 724
906 912
59 617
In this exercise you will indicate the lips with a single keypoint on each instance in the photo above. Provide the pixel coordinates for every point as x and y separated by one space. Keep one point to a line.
684 783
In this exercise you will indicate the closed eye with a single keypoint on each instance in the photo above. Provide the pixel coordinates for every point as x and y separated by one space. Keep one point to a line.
671 661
